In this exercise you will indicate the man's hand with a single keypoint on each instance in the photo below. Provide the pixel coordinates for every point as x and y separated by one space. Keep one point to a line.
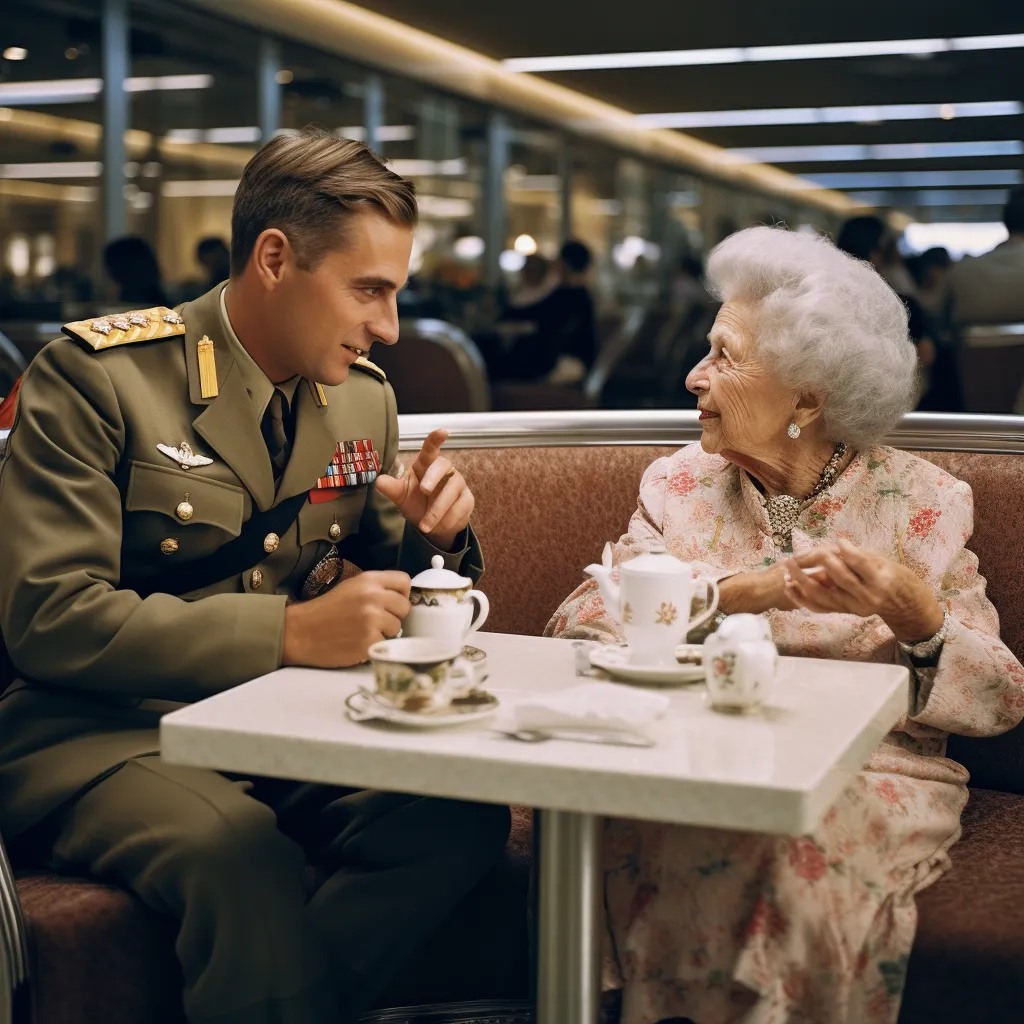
433 495
337 629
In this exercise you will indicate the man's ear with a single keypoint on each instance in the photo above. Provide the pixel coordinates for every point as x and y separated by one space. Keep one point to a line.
271 256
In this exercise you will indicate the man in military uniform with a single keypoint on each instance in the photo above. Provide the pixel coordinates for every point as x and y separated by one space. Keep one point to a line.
179 492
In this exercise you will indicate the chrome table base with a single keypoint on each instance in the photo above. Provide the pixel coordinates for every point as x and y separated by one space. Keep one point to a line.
568 918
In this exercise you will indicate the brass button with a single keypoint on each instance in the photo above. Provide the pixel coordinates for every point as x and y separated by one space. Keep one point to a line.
169 545
334 532
184 511
270 543
256 579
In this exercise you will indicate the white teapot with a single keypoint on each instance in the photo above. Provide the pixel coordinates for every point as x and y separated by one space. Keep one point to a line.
443 605
652 601
740 663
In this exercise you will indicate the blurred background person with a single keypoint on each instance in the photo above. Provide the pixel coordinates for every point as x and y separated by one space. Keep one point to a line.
930 271
134 271
536 282
214 257
869 239
990 288
553 339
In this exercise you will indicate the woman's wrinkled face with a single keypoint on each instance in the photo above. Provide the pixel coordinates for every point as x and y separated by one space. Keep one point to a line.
744 409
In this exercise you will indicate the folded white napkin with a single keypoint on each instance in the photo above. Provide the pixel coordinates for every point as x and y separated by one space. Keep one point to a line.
597 707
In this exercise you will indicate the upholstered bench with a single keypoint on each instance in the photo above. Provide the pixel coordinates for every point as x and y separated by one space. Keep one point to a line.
543 513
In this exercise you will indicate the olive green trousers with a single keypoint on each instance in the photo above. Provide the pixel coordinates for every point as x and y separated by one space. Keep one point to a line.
227 857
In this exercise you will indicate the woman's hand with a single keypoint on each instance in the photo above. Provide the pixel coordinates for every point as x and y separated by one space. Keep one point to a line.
857 582
763 589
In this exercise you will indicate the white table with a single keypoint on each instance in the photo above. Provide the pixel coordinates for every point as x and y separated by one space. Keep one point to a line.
778 771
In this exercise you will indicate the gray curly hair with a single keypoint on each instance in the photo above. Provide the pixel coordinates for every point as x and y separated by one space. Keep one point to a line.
827 324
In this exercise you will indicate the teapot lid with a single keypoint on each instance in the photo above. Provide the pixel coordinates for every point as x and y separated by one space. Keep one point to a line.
657 562
437 577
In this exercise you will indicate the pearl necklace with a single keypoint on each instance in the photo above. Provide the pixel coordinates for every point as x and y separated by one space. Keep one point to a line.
784 510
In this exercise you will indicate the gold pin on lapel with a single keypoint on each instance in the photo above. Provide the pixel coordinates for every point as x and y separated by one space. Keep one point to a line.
319 395
207 369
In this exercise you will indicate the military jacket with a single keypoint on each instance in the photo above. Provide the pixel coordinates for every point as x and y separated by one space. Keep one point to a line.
87 497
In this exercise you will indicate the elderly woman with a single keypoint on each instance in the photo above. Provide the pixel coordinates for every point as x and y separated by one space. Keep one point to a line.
854 551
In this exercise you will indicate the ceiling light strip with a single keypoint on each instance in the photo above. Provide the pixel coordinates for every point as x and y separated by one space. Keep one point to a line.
759 54
864 114
897 151
343 29
936 197
914 179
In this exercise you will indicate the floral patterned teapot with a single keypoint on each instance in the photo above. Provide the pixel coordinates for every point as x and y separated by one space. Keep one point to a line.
443 605
652 601
740 663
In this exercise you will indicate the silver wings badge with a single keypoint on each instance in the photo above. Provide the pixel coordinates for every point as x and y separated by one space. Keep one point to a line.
184 456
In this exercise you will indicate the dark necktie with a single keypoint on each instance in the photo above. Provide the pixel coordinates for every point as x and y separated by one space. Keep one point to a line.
275 433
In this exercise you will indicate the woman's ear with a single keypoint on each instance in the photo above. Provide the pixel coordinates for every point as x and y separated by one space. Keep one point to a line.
807 409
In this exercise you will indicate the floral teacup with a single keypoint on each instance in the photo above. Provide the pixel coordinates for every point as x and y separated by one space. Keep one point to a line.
420 674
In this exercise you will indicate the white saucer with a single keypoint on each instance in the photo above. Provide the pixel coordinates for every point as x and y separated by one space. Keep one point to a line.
364 706
615 661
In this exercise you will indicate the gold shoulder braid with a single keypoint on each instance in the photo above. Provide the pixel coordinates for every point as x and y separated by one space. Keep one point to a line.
208 387
364 364
784 510
126 328
319 395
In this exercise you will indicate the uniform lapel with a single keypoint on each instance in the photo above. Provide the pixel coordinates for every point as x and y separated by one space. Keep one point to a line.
313 447
227 423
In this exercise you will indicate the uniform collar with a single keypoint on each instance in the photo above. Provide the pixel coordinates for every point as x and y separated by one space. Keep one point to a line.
230 422
254 380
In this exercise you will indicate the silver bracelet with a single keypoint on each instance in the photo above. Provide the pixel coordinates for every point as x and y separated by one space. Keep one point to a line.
928 649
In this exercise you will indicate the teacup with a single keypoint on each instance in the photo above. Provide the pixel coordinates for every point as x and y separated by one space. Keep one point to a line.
419 673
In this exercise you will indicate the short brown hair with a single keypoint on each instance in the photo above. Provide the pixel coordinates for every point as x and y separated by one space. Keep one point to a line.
307 185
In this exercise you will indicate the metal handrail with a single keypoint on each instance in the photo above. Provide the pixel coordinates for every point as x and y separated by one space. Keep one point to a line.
920 431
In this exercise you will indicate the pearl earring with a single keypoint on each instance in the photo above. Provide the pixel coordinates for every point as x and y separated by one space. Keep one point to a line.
793 430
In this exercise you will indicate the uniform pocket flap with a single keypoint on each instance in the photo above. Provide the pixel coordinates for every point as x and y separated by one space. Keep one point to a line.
315 521
162 489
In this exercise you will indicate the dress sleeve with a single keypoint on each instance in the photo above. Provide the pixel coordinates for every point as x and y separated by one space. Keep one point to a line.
976 688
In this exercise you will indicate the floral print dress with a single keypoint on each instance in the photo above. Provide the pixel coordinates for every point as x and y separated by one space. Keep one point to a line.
733 926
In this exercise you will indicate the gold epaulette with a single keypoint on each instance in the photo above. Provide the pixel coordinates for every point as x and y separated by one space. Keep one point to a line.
364 364
126 328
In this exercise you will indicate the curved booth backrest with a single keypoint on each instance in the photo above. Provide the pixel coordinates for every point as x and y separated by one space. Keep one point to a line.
992 367
435 367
